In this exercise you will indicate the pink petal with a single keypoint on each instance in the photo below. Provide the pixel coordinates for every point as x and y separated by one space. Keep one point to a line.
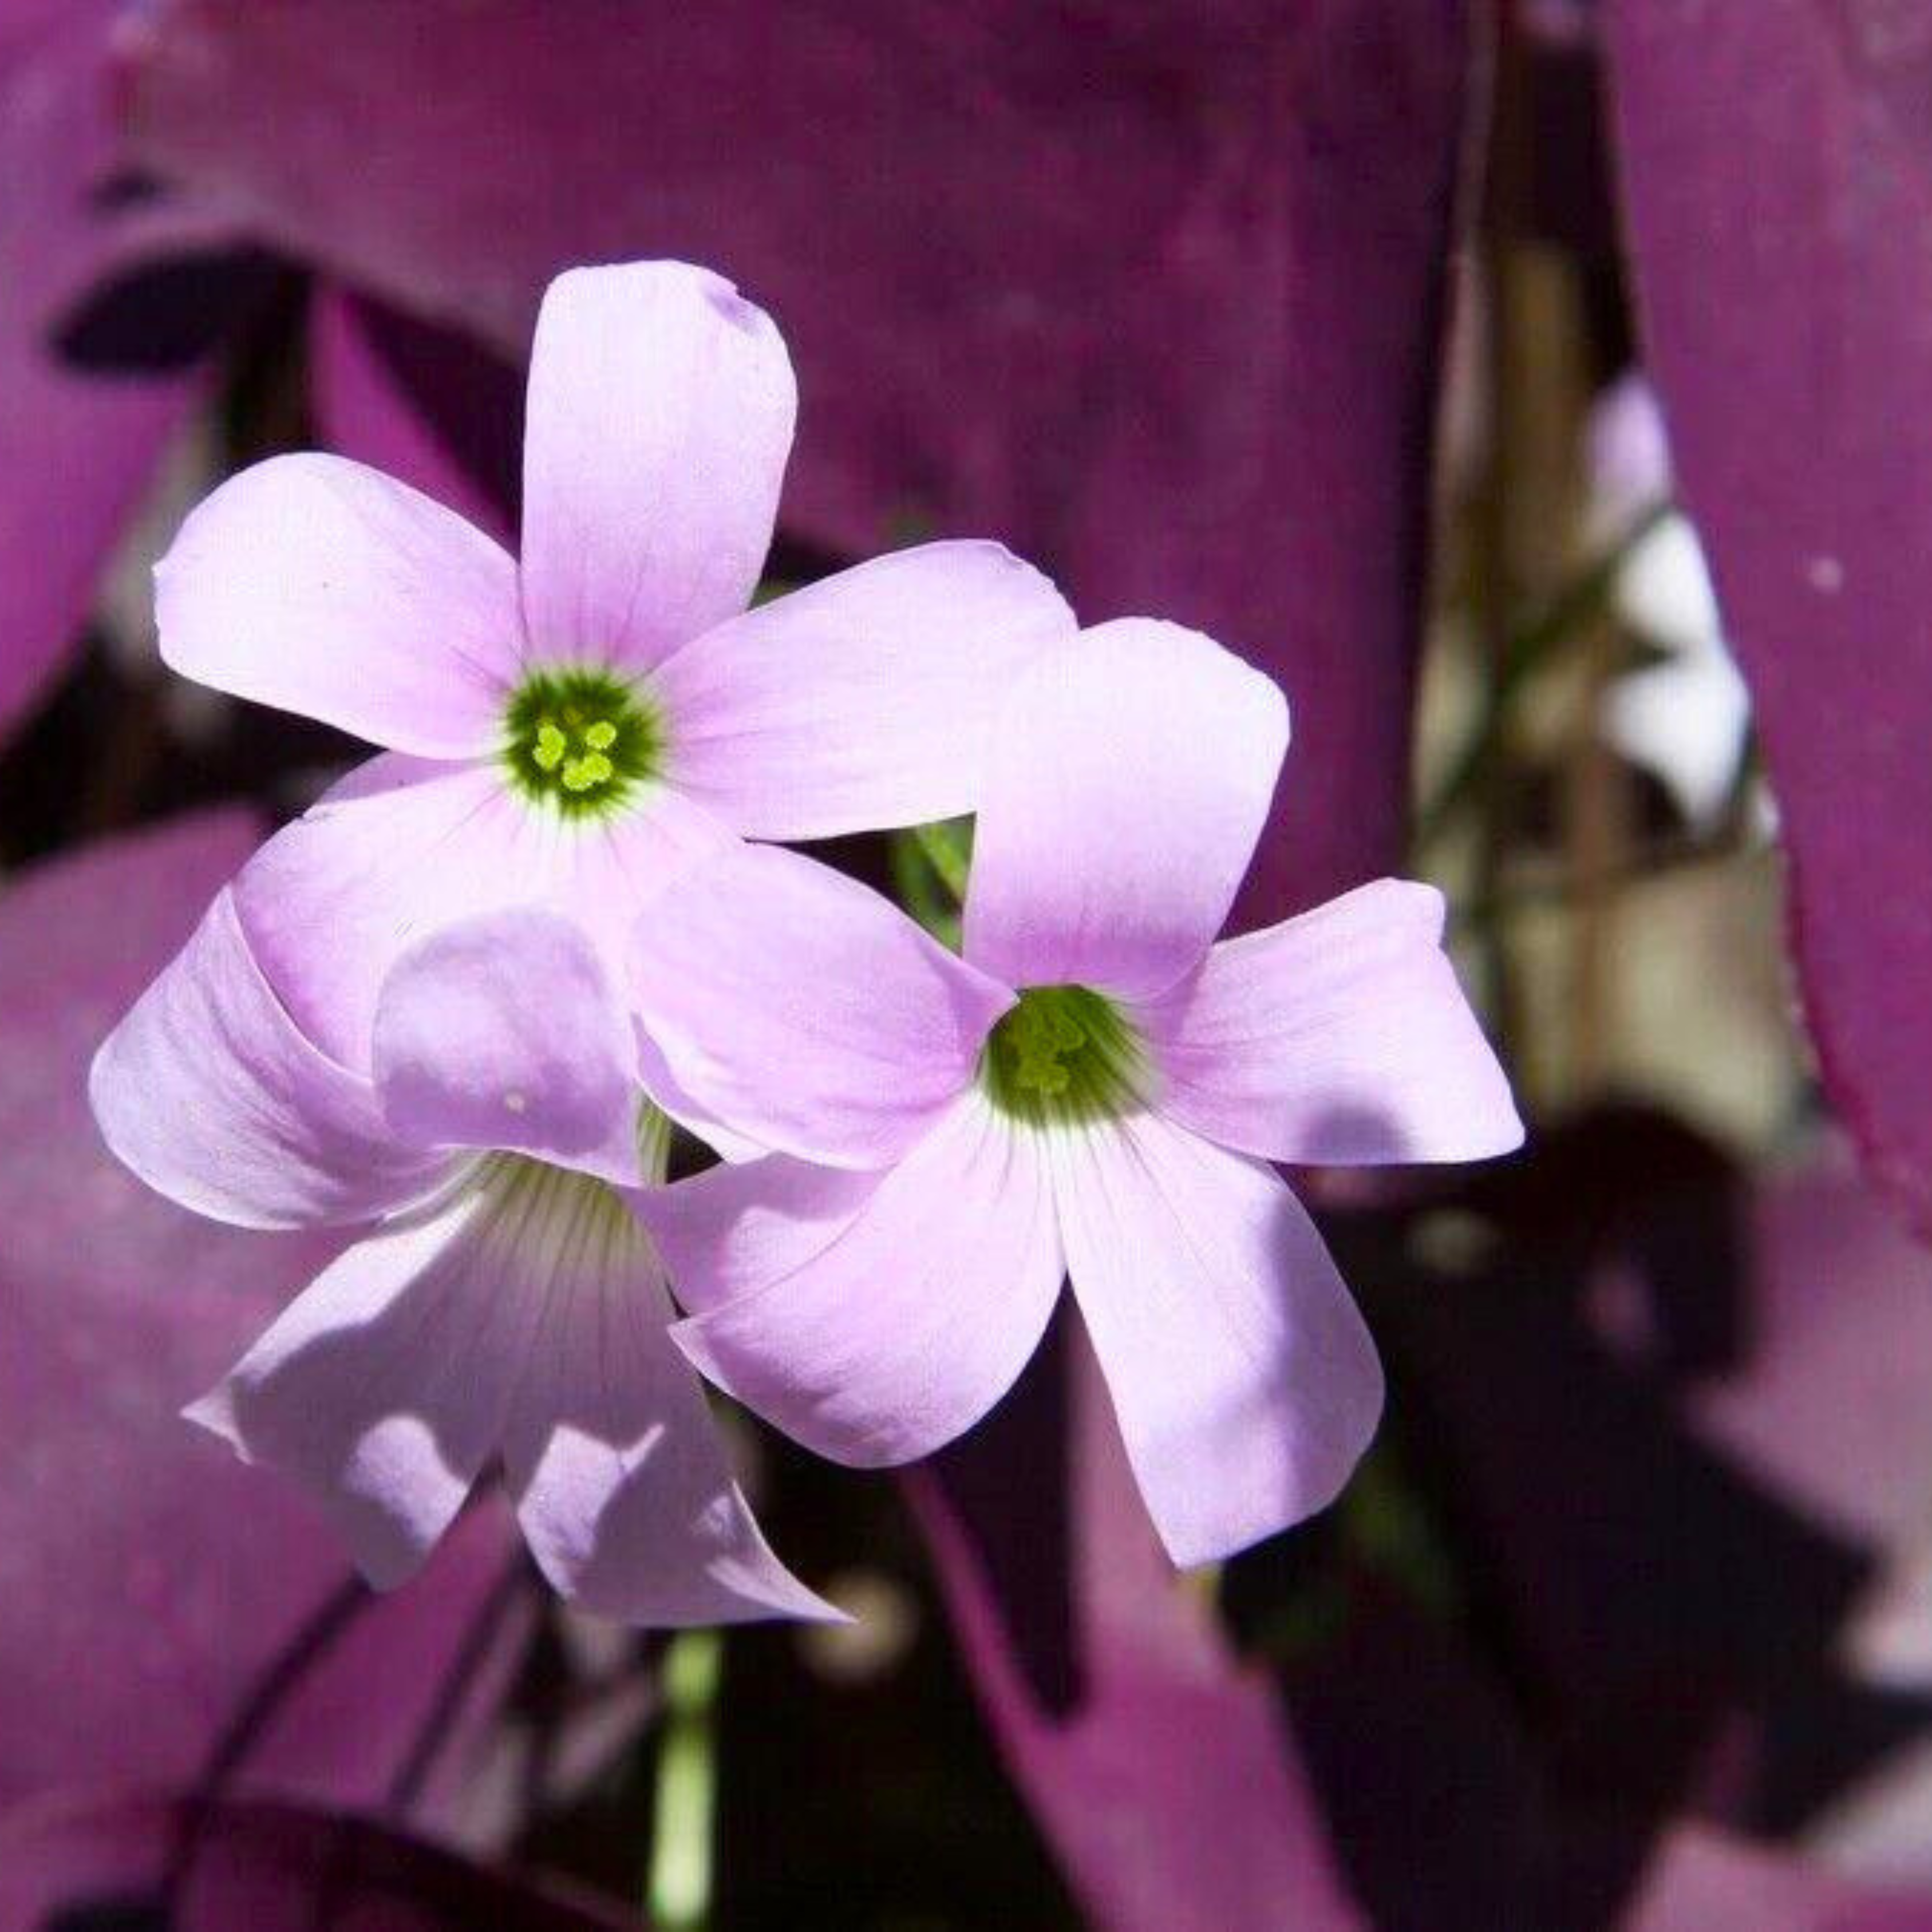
617 1464
864 700
1128 780
209 1094
401 847
385 1386
312 584
731 1231
907 1329
804 1010
503 1031
1245 1385
661 412
1339 1036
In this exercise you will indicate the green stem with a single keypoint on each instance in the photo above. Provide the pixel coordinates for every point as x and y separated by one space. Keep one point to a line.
677 1893
947 847
1656 861
1526 652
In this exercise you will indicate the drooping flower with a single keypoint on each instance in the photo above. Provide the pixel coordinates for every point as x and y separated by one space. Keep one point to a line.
499 1303
569 728
151 1589
1095 1090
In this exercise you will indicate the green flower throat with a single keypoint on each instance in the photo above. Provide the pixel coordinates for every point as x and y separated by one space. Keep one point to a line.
581 741
1064 1055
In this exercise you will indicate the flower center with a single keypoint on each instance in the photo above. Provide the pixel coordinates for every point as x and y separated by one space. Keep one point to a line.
1064 1054
580 741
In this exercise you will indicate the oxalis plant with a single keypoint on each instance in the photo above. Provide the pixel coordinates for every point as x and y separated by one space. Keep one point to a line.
462 998
732 1197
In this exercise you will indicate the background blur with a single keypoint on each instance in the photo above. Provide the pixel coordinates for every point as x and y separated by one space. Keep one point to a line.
1543 393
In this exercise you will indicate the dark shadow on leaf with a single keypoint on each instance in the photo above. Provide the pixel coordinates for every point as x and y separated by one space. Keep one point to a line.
471 397
1008 1482
1655 1630
160 318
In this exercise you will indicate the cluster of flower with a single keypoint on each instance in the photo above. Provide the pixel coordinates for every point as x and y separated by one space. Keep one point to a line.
455 1008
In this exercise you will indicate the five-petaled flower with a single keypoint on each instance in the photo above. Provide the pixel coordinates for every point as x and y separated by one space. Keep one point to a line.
500 1304
1094 1090
570 728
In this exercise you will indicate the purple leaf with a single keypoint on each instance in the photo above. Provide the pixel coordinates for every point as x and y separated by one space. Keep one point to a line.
1783 269
163 317
1588 1406
150 1585
426 405
79 431
1439 1795
1153 294
118 1865
1158 1769
1827 1407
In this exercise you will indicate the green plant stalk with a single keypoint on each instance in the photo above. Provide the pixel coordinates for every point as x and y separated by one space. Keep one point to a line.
678 1891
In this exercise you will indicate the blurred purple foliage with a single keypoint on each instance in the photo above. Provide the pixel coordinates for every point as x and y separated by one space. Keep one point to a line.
1783 273
91 442
256 1867
1183 276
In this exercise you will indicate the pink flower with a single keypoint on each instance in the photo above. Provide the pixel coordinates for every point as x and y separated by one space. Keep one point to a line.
500 1305
1095 1091
569 729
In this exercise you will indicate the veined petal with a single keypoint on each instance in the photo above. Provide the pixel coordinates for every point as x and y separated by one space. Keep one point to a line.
617 1465
209 1092
402 847
1128 780
867 699
803 1010
1341 1036
1245 1383
661 411
384 1387
908 1327
503 1031
731 1231
316 585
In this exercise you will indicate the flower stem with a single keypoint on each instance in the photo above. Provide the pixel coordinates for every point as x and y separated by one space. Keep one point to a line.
677 1892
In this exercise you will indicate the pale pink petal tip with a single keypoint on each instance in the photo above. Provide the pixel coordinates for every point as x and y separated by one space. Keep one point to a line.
1136 724
1244 1380
660 416
324 588
1341 1037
